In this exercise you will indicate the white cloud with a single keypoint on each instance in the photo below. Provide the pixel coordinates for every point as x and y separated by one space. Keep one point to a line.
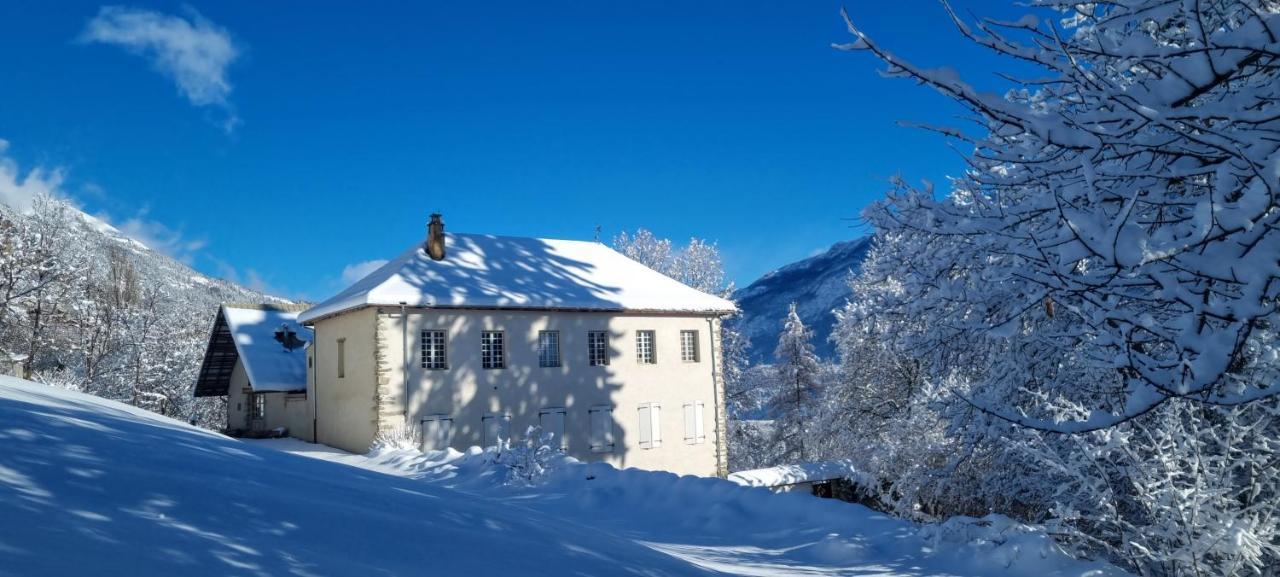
160 237
192 51
354 272
18 190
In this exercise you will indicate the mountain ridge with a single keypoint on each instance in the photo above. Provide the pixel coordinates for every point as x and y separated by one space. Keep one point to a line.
817 284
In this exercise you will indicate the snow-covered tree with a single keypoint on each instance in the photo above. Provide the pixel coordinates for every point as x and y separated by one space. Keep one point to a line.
1108 268
799 375
1122 207
646 249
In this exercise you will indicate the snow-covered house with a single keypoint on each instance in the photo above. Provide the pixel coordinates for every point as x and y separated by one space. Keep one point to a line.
469 339
257 357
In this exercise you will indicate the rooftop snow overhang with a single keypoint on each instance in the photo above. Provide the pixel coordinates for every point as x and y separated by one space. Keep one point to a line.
484 272
243 332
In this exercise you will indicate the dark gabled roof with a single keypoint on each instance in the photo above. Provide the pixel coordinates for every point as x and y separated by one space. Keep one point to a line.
231 335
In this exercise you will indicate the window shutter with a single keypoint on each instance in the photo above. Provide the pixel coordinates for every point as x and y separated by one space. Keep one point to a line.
602 429
430 434
655 424
646 428
699 409
690 423
552 422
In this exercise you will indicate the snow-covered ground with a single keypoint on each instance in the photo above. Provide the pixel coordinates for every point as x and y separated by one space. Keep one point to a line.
725 527
89 486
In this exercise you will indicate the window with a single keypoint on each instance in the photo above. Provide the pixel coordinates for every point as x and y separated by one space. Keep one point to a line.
548 348
432 350
644 348
496 428
601 429
342 358
437 432
598 348
257 407
689 346
650 425
552 422
693 431
492 350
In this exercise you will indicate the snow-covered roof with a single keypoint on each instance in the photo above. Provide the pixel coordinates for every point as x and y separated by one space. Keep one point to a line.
270 365
783 475
485 271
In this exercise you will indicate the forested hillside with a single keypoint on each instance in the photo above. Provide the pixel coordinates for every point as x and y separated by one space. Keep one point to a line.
93 310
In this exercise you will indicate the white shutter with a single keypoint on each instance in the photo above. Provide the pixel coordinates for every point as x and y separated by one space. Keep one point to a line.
699 410
552 422
693 429
646 427
487 430
497 428
602 429
446 434
690 424
437 432
430 434
655 415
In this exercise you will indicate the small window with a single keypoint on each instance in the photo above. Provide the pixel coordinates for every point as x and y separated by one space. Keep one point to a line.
601 429
693 431
342 358
689 346
548 348
598 348
496 428
257 407
437 432
432 353
493 350
552 422
644 348
650 425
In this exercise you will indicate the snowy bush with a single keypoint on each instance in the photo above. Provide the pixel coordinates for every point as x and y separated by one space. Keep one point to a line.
528 461
404 437
63 379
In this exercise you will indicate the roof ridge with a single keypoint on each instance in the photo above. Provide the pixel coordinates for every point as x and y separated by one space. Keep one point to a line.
281 307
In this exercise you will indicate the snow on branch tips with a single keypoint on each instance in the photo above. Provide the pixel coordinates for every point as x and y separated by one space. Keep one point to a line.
1133 189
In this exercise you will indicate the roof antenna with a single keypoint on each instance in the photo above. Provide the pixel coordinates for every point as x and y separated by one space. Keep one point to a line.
597 233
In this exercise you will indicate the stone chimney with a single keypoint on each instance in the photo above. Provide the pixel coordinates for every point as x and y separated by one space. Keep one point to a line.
435 238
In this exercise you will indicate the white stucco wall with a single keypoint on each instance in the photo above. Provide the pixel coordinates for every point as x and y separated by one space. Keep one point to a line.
466 392
345 406
289 410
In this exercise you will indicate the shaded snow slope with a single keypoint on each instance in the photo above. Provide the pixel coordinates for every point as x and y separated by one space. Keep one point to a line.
817 285
722 526
93 487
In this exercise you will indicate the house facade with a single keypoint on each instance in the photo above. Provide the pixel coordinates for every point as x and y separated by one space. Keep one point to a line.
257 358
470 340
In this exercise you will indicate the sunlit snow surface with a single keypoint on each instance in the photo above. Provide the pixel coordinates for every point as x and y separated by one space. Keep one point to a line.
93 487
724 527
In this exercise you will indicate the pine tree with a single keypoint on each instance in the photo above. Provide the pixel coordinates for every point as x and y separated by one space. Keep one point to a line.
799 378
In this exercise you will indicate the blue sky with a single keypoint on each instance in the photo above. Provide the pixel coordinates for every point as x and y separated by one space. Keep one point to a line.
322 134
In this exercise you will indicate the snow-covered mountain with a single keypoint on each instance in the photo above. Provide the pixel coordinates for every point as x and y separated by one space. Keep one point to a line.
818 285
94 237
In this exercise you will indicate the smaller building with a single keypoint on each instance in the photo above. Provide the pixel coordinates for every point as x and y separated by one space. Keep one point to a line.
257 357
13 364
